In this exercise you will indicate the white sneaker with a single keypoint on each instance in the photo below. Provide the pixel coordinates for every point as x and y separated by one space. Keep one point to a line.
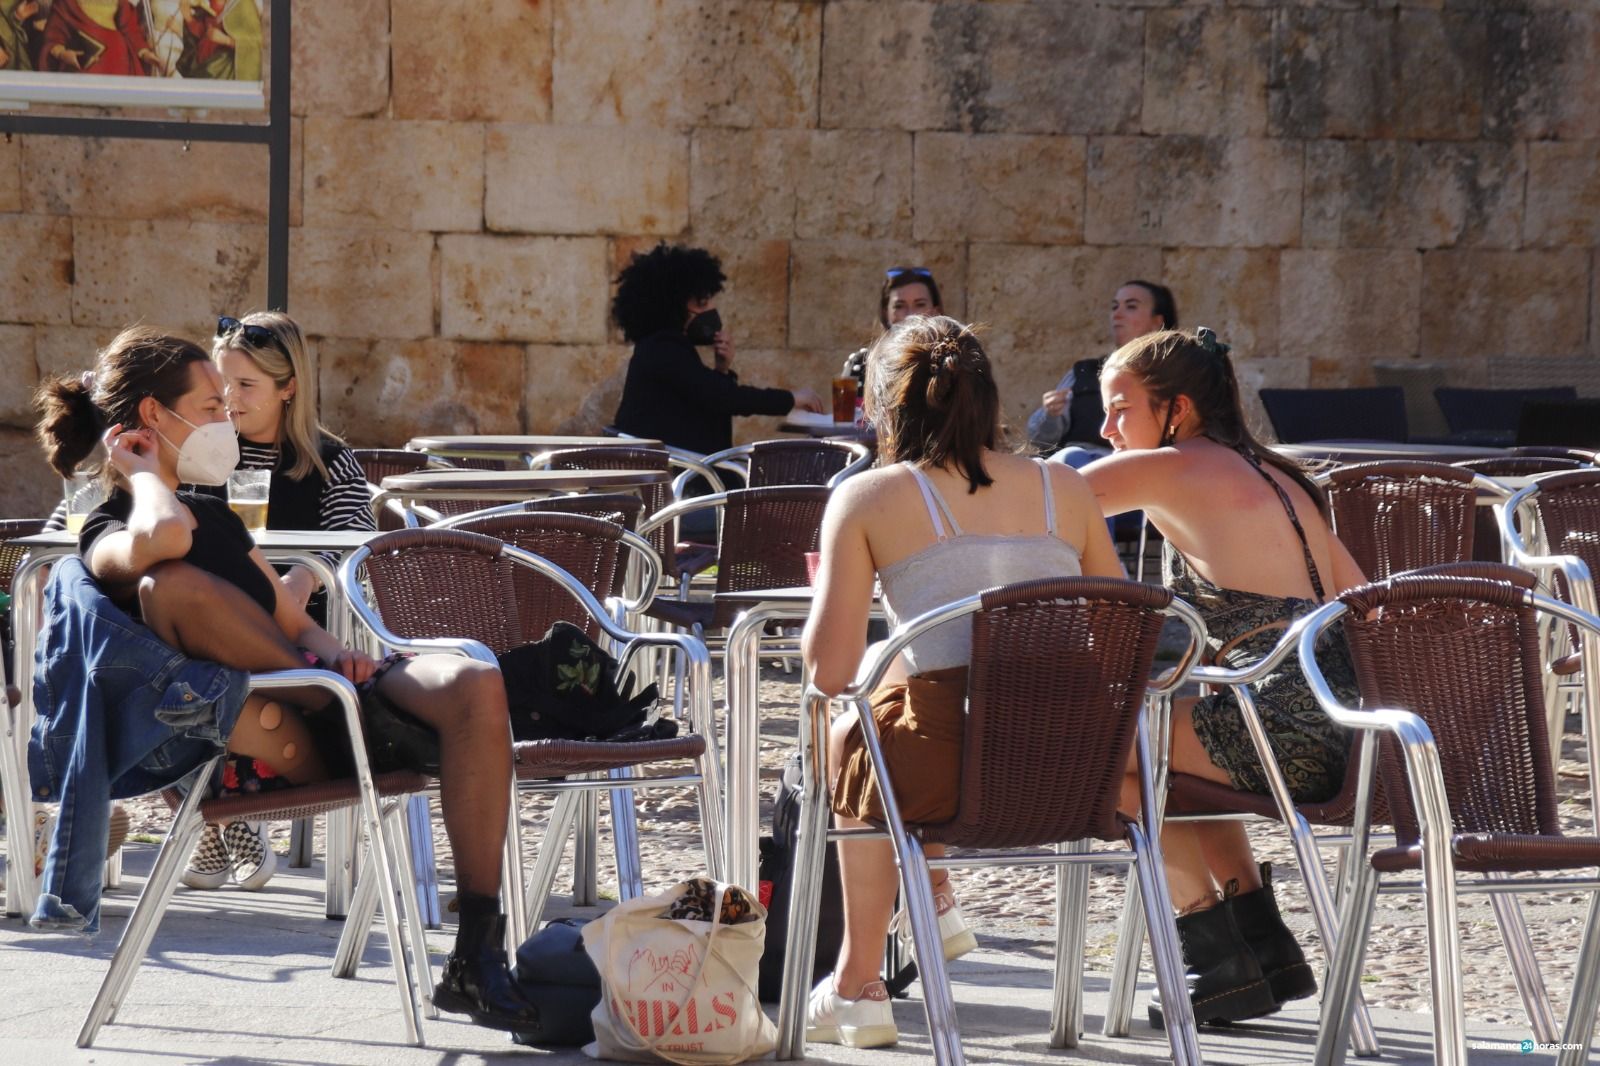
953 931
208 863
862 1023
250 854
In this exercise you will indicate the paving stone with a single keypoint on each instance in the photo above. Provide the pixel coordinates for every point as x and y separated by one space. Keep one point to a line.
487 62
564 179
36 268
362 283
1327 302
1378 73
999 187
1407 194
549 290
1563 193
746 63
834 288
186 272
1232 290
1044 309
573 388
1483 303
1206 71
993 68
1541 73
389 174
135 179
341 58
1198 191
382 393
804 183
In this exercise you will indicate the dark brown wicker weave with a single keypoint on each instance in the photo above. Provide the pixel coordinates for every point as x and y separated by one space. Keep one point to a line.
454 583
1396 516
585 547
765 536
379 463
797 462
622 508
1463 654
11 555
1568 506
654 497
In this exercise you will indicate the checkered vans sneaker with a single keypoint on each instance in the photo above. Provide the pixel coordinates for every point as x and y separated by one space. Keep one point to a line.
252 856
208 865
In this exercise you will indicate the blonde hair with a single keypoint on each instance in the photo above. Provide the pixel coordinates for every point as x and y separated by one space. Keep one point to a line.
284 360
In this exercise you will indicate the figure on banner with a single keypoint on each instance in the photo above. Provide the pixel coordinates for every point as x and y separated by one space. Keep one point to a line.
98 37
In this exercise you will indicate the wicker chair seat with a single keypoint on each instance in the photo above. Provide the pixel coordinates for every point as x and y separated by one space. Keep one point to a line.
1499 852
537 760
1188 794
301 801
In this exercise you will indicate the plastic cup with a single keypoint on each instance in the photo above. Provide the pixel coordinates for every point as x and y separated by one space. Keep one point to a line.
83 492
247 497
813 560
844 399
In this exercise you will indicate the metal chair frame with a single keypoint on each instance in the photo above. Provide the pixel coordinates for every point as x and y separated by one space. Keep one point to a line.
385 839
1438 882
522 914
1070 857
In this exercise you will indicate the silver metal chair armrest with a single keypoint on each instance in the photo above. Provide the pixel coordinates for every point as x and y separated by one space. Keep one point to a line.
862 461
678 509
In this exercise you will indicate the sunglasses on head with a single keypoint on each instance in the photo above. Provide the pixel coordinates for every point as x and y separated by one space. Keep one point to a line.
259 336
896 273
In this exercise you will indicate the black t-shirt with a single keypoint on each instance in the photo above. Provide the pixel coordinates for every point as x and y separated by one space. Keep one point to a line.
221 545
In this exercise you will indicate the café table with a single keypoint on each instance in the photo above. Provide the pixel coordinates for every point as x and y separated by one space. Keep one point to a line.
279 546
821 424
742 684
525 447
508 485
1370 451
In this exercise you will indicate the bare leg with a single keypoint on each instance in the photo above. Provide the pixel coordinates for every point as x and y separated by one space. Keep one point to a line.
465 701
208 618
276 733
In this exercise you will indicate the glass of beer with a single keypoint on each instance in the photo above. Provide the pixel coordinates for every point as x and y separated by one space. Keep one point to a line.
84 492
247 497
844 399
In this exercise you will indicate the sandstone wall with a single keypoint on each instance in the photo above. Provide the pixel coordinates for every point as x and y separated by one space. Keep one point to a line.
1328 184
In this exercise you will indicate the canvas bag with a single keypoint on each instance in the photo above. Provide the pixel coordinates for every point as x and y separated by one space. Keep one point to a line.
678 990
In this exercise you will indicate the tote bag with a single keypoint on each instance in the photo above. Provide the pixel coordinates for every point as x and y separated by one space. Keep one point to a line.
679 990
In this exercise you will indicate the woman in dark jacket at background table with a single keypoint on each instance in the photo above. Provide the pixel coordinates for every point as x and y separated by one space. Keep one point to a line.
666 307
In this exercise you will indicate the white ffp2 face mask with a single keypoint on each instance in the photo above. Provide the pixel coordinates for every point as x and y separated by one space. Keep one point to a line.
209 454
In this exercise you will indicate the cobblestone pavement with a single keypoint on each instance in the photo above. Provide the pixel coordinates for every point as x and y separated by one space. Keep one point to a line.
1015 905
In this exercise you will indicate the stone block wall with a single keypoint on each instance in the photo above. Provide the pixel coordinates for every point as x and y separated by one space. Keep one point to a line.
1328 183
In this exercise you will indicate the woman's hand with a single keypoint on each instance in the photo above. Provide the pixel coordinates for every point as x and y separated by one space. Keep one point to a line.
298 584
355 665
806 400
132 452
722 348
1055 401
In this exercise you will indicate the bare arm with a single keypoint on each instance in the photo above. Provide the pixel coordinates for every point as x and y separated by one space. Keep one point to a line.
298 626
835 636
1346 571
1134 480
159 526
1075 497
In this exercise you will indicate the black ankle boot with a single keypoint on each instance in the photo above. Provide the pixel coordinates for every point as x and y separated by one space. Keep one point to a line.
1274 946
1224 979
476 980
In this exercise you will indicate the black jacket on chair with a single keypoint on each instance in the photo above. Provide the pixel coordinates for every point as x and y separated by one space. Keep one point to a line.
671 395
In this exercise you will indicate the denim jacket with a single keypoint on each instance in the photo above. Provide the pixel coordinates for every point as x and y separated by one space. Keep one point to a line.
119 714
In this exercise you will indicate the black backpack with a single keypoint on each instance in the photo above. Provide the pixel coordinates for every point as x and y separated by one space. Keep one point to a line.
777 881
565 687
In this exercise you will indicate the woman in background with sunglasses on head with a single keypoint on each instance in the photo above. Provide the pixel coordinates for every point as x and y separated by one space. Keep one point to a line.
906 291
270 390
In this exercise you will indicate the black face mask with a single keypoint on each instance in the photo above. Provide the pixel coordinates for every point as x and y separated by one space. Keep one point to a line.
703 328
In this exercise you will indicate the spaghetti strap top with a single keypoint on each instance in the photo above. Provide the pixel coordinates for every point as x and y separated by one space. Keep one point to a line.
939 511
1288 506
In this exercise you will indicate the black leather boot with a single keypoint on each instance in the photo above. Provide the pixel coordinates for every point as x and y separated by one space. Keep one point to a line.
1274 946
1224 979
476 980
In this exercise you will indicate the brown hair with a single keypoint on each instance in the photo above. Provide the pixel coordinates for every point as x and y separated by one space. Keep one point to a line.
139 362
934 399
1172 363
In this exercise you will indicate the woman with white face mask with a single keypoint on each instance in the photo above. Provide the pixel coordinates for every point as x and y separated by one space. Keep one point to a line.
184 565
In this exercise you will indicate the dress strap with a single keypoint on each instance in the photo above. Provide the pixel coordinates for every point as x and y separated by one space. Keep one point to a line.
936 506
1049 498
1283 497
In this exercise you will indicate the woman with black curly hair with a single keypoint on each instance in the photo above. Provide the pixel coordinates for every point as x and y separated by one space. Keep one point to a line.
666 307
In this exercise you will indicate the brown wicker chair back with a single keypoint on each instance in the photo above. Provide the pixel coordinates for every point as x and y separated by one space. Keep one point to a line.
655 497
1396 516
623 508
379 463
797 462
585 547
11 555
765 536
1048 731
1519 465
1568 506
1463 654
429 583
